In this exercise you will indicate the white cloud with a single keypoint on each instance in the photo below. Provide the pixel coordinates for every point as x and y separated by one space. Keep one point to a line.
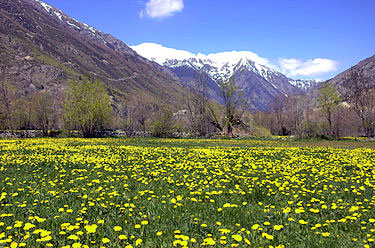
160 54
162 8
234 56
295 68
310 67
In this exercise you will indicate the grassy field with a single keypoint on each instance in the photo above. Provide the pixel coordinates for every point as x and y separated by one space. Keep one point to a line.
186 193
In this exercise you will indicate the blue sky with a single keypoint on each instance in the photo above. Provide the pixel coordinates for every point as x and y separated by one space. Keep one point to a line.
290 34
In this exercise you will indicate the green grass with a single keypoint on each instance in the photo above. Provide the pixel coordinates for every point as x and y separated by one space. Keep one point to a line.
193 192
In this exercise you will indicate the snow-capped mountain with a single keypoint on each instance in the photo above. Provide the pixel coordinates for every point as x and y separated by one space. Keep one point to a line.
260 80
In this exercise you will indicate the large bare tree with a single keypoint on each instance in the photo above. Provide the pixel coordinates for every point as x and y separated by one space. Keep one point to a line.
233 103
45 112
201 111
361 97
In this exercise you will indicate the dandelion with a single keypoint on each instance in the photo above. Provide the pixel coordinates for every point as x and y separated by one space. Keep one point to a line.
117 228
237 237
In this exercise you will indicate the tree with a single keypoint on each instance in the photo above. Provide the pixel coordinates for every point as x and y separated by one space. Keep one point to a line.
127 122
328 102
44 111
6 103
233 103
164 125
277 107
87 106
361 97
141 109
200 109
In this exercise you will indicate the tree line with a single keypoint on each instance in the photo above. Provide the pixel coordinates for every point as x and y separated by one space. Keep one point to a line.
86 106
330 111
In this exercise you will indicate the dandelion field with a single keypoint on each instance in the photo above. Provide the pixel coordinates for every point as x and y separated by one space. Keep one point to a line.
184 193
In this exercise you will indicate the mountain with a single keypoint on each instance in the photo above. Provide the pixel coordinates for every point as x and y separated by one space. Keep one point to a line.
43 48
260 83
365 67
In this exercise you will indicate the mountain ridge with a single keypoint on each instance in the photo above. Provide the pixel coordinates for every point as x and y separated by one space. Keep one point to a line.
260 83
43 48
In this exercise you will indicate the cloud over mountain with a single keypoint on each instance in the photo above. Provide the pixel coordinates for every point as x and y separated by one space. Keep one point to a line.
292 67
310 67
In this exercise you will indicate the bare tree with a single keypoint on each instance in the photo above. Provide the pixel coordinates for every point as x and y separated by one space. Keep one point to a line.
294 112
44 109
277 108
361 97
140 109
234 104
126 120
201 111
6 102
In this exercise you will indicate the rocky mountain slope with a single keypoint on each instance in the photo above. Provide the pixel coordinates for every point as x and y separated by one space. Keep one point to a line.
365 67
260 83
43 48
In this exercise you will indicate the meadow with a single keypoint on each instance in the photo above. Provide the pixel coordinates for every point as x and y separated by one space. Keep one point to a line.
186 193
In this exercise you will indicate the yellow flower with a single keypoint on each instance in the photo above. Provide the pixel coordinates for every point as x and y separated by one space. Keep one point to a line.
91 228
237 237
302 222
138 241
73 237
117 228
105 240
267 236
122 237
208 241
28 226
278 227
255 226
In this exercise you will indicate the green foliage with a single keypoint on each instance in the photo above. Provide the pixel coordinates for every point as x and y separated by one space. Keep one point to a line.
328 97
164 125
87 107
328 102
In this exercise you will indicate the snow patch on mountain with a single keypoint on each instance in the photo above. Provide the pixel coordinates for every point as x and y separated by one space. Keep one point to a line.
220 66
45 6
59 15
304 84
70 21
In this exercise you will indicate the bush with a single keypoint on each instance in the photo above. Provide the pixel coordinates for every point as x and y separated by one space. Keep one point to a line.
164 126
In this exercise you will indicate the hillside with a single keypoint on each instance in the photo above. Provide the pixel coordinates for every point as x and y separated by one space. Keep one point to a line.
365 67
43 48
